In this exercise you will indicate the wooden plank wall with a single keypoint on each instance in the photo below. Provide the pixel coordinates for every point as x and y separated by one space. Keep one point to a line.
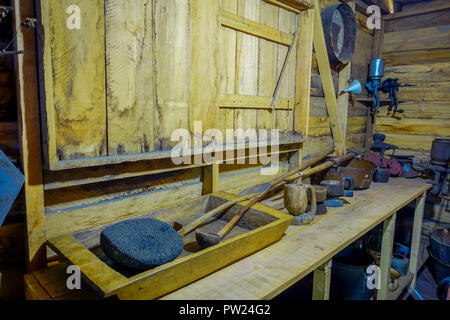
416 48
250 66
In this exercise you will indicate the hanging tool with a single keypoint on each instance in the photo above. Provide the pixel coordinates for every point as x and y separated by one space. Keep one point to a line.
391 86
207 239
376 72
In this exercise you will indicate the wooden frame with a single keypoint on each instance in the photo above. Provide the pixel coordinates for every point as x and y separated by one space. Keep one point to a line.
153 283
29 137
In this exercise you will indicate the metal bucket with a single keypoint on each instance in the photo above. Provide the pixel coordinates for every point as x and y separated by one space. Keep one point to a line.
440 245
440 254
349 275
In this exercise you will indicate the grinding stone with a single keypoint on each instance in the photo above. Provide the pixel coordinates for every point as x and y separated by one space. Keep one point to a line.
141 244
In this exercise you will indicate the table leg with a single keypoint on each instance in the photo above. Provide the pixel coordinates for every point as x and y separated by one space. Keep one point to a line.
322 280
416 237
386 256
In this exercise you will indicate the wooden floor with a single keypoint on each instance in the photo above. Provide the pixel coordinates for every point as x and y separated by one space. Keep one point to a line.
269 272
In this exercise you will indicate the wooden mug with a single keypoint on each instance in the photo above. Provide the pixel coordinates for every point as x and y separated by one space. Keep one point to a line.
296 202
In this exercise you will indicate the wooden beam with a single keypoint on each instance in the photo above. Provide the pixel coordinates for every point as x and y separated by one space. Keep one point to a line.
238 23
303 73
297 4
383 4
204 60
29 137
327 81
282 5
253 102
343 99
416 238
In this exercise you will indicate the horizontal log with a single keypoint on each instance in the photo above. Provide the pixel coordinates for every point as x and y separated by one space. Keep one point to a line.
438 127
431 72
426 91
238 23
321 126
425 109
422 39
411 141
417 56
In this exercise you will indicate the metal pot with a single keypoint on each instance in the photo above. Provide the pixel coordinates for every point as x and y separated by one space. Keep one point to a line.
335 188
382 175
440 150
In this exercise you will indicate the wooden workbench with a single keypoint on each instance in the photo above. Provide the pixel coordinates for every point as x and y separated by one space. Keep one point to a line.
303 250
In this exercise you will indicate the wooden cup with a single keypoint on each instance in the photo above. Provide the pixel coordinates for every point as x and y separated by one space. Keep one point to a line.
296 202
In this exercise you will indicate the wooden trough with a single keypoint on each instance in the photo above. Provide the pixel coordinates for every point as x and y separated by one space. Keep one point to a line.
259 228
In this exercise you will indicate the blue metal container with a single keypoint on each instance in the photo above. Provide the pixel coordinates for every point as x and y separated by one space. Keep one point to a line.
376 70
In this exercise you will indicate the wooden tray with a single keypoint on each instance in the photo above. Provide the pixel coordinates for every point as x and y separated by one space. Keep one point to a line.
259 228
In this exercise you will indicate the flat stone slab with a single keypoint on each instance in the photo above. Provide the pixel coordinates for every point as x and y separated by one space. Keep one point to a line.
141 244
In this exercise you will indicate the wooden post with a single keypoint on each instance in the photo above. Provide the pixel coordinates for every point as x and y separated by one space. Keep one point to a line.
204 59
416 237
327 81
343 99
322 281
386 256
29 136
302 81
210 178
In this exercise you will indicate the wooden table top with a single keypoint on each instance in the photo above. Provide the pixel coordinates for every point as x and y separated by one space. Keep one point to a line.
269 272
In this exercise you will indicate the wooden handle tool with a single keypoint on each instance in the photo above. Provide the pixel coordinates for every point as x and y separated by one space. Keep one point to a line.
206 238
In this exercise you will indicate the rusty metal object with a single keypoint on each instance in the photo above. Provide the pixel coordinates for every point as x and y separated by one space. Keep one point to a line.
361 171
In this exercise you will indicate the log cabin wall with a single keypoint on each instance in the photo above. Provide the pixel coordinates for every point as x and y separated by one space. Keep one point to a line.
416 49
78 198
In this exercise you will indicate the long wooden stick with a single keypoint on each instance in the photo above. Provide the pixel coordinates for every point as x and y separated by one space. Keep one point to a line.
185 230
292 177
211 239
257 196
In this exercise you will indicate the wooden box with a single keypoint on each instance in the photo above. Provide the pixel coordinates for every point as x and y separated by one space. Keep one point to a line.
260 227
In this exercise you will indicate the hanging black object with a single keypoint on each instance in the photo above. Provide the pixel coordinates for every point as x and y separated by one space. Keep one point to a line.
339 26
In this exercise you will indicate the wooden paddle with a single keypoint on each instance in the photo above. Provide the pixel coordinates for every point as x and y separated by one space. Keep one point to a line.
206 238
